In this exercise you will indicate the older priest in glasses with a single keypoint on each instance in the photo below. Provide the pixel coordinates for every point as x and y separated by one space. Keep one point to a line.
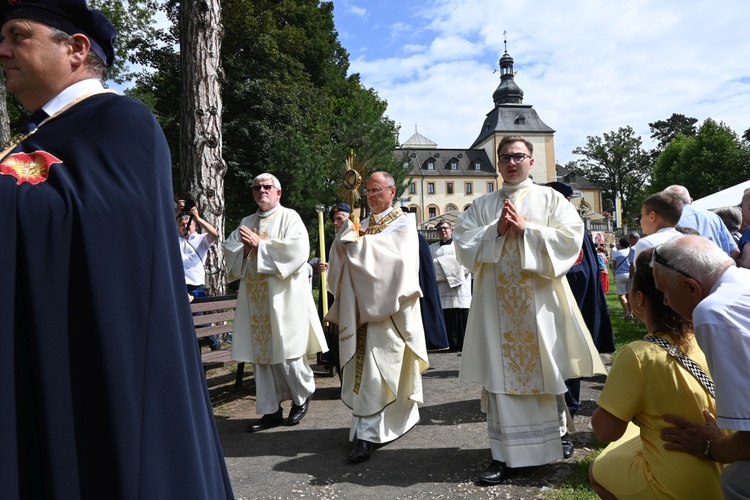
374 275
525 335
276 324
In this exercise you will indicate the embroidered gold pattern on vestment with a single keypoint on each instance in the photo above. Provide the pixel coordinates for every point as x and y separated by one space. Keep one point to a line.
360 356
260 305
377 227
519 336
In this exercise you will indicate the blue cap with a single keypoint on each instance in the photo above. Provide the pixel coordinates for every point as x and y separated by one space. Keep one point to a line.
339 207
70 16
562 188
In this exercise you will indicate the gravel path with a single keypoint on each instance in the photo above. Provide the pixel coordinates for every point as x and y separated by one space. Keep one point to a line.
439 458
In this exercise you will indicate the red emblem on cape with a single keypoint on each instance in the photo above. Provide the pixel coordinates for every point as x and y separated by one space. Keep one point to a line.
28 167
14 2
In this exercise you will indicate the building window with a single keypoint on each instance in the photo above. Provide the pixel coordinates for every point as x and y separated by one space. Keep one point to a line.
406 165
432 212
449 188
450 208
430 188
412 188
430 165
453 165
468 189
477 165
490 187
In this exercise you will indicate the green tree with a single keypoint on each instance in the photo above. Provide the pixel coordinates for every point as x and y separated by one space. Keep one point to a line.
617 162
666 130
711 161
290 108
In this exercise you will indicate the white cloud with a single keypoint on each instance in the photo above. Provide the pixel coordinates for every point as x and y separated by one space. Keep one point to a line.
358 11
588 67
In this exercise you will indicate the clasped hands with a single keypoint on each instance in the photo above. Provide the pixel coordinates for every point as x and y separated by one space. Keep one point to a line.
250 239
510 220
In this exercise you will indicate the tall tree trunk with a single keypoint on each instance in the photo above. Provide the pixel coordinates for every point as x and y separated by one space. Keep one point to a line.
4 119
202 167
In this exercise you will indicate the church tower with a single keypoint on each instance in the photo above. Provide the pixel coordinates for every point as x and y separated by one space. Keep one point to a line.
511 116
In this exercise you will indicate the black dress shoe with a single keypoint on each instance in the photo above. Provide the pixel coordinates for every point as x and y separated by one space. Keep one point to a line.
362 451
297 412
267 421
496 473
567 446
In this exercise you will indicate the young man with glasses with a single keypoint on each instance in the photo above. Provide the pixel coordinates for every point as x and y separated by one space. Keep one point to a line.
276 323
703 285
519 242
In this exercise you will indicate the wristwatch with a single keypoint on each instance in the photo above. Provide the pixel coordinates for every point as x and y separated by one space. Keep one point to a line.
707 451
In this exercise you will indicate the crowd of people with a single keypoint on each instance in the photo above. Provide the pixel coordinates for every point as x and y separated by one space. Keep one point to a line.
106 389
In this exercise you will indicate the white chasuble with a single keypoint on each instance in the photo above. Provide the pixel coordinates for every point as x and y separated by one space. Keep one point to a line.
525 334
276 318
375 280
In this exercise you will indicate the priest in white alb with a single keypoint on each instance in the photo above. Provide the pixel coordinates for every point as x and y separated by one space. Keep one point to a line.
276 323
374 276
525 335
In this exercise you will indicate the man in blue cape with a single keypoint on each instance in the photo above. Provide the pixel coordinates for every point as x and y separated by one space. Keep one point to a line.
102 393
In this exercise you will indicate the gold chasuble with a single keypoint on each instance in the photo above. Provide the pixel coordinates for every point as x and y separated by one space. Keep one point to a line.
276 318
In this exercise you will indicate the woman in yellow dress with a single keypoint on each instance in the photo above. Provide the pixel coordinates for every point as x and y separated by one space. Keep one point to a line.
645 383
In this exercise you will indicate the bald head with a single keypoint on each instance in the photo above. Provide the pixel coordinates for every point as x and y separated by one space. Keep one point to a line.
680 191
685 269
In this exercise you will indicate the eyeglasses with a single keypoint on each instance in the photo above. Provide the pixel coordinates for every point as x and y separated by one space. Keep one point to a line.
517 158
375 191
444 228
264 187
659 259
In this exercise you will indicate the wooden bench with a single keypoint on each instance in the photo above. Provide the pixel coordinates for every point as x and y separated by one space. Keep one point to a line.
216 318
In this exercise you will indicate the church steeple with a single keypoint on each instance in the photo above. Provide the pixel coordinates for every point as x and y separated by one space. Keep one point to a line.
507 92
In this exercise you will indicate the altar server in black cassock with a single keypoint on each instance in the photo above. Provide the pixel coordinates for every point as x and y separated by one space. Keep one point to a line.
102 393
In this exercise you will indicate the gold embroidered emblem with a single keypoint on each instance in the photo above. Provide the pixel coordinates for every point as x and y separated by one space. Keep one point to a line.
31 168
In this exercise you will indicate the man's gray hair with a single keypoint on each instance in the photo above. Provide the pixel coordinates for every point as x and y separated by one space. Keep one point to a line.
695 256
93 63
680 191
268 177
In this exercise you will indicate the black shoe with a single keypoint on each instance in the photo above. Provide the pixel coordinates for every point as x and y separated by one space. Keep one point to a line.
496 473
297 412
567 446
267 422
362 451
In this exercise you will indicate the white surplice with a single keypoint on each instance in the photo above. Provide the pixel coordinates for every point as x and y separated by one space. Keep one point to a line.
375 281
525 335
276 318
454 280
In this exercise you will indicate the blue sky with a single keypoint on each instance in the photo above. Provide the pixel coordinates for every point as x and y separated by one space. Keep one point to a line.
588 67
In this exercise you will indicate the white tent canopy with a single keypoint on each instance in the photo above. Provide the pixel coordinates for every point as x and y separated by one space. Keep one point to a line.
725 198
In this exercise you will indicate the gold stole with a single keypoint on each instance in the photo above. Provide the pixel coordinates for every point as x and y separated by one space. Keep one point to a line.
259 302
522 367
372 228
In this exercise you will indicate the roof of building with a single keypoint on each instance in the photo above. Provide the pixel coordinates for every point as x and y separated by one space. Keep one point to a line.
417 140
576 181
450 162
510 116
